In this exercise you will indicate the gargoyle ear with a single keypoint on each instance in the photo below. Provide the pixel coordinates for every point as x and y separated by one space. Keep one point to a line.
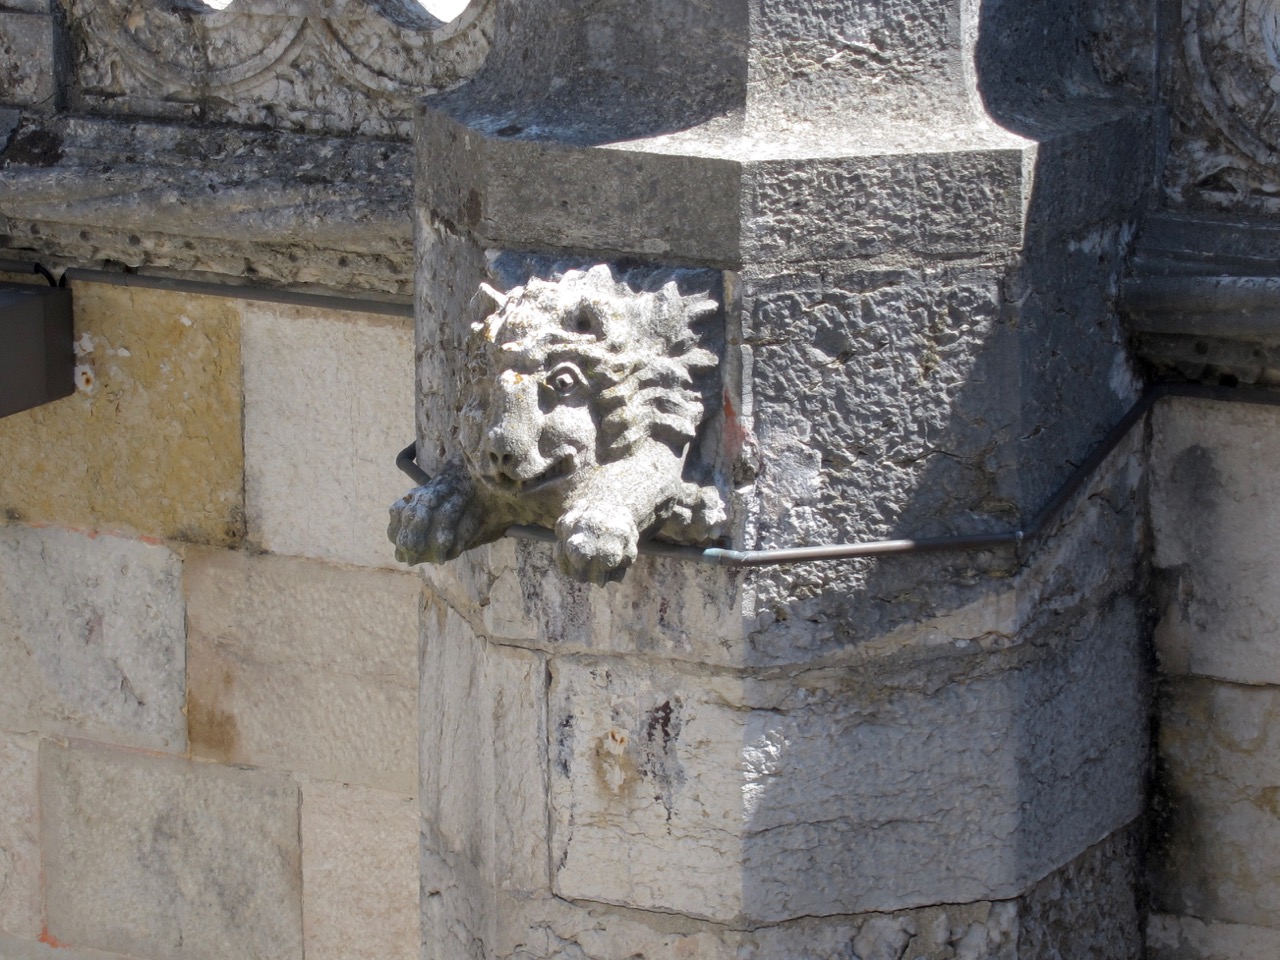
497 296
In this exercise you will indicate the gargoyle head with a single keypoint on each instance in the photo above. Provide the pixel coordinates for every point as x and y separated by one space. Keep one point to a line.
584 392
571 373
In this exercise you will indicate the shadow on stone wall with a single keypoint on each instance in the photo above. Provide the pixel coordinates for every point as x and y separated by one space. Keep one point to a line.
984 723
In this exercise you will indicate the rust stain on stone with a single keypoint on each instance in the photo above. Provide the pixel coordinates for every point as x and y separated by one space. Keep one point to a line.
614 768
212 731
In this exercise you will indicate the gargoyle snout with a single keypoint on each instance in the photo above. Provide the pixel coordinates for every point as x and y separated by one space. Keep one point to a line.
500 453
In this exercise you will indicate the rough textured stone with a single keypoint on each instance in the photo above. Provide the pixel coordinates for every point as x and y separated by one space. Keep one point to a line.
1213 489
1190 938
1092 909
328 405
1219 849
20 901
360 872
826 793
159 857
91 637
303 666
26 49
150 442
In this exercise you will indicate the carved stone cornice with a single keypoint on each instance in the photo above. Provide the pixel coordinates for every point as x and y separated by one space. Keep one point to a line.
283 208
1203 300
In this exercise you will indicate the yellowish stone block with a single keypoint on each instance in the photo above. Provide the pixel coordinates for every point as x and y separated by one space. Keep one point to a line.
150 442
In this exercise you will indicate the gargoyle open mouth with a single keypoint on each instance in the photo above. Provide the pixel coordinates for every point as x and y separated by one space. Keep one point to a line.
557 472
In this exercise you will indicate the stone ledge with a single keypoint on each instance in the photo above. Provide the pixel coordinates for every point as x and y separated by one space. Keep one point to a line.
1202 301
1190 938
281 208
715 196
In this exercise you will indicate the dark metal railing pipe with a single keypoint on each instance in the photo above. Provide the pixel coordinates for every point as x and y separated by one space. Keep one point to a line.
1024 538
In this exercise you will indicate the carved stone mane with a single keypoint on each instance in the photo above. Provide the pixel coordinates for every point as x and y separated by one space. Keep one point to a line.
585 391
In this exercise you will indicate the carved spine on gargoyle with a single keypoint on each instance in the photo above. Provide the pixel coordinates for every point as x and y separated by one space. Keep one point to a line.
586 394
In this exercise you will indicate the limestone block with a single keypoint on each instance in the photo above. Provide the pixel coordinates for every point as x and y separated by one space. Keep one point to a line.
1190 938
91 637
158 857
26 48
328 405
738 800
1215 486
668 608
1220 800
14 949
150 442
1086 909
303 666
483 755
360 874
20 908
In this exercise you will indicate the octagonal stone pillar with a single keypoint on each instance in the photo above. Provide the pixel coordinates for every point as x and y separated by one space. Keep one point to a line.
918 210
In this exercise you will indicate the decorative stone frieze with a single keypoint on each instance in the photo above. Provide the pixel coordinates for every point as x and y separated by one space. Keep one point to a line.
1226 130
322 66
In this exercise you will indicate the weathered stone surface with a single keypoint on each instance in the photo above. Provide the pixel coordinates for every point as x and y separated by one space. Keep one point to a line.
483 735
334 66
150 442
912 305
259 205
328 405
14 949
1085 910
303 666
1190 938
159 857
1219 856
1223 136
1091 909
824 793
26 49
91 637
360 873
20 901
1214 485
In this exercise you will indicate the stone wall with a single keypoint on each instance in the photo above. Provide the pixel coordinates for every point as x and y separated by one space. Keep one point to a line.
208 660
1215 853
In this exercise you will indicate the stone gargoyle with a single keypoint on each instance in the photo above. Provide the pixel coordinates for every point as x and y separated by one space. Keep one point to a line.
586 394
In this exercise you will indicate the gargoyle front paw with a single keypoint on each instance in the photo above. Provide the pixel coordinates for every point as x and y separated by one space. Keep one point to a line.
596 545
435 522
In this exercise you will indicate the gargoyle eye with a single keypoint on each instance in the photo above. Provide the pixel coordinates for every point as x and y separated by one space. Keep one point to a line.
565 379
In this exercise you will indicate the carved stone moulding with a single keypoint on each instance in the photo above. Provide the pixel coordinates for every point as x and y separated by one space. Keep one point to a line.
591 404
1226 134
276 207
326 66
1202 302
